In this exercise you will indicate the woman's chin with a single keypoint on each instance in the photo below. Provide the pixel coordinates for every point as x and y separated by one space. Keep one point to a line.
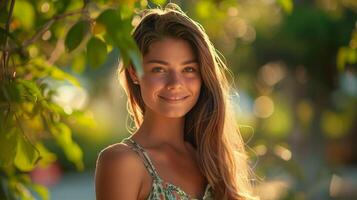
172 114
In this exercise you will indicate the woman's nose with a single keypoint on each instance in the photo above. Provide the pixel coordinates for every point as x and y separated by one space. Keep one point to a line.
174 80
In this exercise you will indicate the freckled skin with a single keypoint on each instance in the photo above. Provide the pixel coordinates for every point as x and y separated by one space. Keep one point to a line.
171 72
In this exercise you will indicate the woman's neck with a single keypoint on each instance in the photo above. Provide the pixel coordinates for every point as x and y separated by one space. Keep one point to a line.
158 130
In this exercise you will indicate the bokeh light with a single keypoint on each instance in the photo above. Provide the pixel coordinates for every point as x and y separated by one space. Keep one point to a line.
71 97
263 107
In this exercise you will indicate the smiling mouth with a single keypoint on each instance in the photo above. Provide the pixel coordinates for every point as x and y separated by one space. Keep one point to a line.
173 99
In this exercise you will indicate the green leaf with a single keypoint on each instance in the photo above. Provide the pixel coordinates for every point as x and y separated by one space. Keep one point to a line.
117 27
26 156
29 90
5 190
79 62
96 52
351 56
22 192
135 57
341 58
41 191
109 18
126 11
118 31
20 91
47 157
63 136
55 72
204 8
61 75
74 153
286 5
84 119
159 2
8 92
4 34
8 149
25 12
76 34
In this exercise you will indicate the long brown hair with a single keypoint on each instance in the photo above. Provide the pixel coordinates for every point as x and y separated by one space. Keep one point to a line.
209 126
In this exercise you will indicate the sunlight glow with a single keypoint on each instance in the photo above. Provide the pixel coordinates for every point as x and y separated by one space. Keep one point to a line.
273 189
47 35
71 97
282 152
272 72
260 149
335 185
33 51
236 27
232 11
135 21
263 107
249 35
45 7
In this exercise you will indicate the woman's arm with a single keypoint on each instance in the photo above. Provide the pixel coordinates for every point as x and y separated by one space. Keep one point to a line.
118 174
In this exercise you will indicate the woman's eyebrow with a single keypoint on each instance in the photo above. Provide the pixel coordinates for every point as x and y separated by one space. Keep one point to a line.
157 61
189 62
166 63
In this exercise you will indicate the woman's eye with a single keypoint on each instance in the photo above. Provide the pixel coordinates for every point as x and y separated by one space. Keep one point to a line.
157 69
190 69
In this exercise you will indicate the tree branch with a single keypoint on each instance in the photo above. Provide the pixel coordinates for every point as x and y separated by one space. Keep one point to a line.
47 26
5 54
7 27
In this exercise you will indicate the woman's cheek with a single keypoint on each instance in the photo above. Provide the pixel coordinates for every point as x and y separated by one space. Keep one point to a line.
155 81
150 84
194 82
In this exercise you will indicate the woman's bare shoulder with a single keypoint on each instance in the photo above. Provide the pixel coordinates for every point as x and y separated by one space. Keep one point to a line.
119 172
116 150
119 154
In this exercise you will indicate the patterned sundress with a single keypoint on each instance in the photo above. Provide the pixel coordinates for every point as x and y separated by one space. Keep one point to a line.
162 190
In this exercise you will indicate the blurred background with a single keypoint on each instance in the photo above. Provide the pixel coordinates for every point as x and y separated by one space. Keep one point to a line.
294 84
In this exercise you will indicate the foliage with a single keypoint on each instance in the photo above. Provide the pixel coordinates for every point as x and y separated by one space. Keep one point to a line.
29 114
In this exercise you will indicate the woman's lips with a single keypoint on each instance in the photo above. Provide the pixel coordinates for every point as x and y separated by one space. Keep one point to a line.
173 99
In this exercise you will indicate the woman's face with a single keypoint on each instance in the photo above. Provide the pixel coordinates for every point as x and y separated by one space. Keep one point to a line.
171 82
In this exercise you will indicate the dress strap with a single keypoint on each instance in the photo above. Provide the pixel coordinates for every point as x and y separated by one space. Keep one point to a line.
143 154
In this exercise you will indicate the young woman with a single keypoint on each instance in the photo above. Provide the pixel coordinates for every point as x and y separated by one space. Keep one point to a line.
186 144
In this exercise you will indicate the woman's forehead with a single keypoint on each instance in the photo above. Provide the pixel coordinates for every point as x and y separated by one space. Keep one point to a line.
170 50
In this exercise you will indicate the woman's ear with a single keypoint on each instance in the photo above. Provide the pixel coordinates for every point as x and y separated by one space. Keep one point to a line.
133 75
